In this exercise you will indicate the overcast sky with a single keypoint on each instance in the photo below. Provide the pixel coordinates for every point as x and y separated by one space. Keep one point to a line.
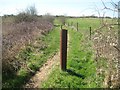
57 7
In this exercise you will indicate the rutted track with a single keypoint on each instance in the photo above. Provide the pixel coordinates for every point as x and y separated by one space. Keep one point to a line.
43 72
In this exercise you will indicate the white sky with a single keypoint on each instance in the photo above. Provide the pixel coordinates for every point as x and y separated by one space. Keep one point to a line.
56 7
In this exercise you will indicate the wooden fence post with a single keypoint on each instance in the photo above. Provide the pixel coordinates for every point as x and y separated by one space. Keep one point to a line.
90 33
77 26
63 49
71 23
61 27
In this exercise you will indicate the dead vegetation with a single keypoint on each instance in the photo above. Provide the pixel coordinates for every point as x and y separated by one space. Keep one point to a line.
105 41
15 37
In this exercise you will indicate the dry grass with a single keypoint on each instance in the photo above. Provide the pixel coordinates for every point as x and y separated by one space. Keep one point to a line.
16 36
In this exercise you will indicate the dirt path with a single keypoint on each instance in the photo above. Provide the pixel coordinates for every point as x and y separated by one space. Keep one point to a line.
43 72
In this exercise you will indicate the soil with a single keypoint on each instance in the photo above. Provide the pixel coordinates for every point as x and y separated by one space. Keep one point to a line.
43 72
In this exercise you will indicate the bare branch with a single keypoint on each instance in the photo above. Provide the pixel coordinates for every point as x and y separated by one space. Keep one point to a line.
115 6
103 4
117 48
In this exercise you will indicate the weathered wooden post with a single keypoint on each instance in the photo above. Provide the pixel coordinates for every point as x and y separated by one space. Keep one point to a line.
63 49
61 27
90 33
77 26
71 23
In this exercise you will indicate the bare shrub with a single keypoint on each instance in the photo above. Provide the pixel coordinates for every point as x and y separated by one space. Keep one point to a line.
28 15
106 45
48 17
104 40
15 37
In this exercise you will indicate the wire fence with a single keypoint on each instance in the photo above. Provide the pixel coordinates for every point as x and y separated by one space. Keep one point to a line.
104 40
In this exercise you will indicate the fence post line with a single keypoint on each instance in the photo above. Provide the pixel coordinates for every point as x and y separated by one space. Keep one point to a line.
61 27
71 23
77 26
63 49
90 33
68 23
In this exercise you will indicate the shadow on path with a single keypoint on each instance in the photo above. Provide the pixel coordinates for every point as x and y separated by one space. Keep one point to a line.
73 73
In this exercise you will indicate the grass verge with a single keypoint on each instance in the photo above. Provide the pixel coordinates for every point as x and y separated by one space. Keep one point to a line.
34 55
81 68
